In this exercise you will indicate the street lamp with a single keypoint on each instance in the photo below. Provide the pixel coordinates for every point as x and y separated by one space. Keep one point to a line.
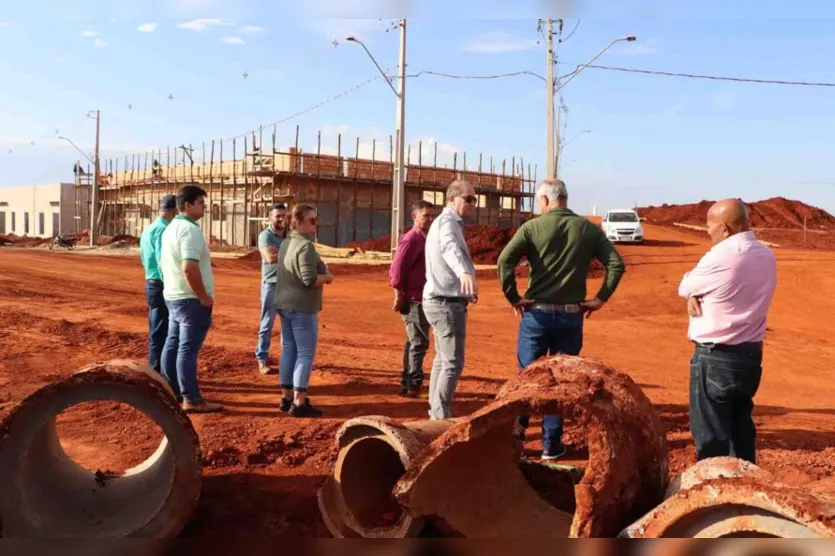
398 195
555 157
598 55
76 148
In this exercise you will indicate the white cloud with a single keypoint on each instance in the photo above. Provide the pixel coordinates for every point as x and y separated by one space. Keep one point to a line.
88 34
4 23
636 48
99 43
252 30
499 43
201 25
232 40
147 28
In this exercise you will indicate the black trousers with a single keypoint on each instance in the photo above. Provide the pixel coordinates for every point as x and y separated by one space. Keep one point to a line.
723 382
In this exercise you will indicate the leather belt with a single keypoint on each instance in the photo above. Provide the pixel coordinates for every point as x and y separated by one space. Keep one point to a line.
569 308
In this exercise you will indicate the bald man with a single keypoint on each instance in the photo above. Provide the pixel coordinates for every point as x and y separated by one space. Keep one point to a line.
728 296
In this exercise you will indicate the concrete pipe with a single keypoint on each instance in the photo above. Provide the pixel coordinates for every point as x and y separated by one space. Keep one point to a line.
44 493
374 452
471 479
728 497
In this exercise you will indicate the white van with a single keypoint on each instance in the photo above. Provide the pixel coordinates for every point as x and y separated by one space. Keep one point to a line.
623 226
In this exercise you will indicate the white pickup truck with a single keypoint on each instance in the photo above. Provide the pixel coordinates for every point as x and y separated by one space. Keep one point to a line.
623 226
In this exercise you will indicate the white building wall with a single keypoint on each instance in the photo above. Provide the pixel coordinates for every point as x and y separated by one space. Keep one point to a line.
39 210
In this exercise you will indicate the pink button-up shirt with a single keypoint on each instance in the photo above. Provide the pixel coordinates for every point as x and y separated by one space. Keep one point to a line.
735 281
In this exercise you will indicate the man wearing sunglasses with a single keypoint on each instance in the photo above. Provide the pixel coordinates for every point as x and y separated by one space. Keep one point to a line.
450 287
560 247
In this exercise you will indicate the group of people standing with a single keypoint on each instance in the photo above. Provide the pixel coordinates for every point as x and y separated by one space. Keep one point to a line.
179 288
434 281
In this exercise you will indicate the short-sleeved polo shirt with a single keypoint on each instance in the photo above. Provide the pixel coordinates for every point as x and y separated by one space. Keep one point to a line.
267 238
182 240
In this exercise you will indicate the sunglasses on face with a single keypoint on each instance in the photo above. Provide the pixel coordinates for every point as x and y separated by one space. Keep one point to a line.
471 199
313 220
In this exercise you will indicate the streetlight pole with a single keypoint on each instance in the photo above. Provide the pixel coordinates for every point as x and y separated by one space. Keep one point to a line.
96 178
398 192
398 211
550 172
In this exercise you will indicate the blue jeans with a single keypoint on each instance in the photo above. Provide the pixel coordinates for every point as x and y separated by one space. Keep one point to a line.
299 336
157 322
723 382
188 326
265 332
547 332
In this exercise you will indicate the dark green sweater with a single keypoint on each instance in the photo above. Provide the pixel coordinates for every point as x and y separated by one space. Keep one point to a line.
559 246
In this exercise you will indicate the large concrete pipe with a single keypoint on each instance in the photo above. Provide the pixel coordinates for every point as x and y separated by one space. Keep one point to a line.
471 480
728 497
374 452
44 493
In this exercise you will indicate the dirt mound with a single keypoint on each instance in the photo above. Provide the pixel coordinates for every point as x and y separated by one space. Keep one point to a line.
771 213
24 241
485 242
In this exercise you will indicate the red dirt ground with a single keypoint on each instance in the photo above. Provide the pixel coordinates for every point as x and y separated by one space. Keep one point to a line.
61 311
778 220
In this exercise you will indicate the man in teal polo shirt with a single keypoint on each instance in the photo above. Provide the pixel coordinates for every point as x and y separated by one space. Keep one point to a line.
268 243
189 292
150 245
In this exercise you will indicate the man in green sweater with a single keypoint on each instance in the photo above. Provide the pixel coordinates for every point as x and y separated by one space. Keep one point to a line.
559 246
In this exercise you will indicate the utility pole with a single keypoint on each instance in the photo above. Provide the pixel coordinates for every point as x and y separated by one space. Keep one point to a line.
550 155
96 178
398 197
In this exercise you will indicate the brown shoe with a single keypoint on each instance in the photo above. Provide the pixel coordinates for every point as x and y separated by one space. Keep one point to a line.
202 407
264 368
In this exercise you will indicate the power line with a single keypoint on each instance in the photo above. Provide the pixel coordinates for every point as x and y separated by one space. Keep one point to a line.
572 32
711 77
497 76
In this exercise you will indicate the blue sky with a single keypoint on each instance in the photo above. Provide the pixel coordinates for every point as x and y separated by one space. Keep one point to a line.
653 139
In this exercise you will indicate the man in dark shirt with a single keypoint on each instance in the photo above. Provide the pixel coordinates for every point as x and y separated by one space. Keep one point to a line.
408 276
560 247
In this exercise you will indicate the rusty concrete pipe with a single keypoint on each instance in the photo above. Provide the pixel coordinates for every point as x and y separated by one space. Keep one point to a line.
471 480
374 452
44 493
728 497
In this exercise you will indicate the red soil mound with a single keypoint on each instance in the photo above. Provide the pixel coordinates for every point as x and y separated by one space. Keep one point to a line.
485 242
772 213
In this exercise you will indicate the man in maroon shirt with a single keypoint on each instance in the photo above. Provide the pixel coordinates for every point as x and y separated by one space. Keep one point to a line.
408 276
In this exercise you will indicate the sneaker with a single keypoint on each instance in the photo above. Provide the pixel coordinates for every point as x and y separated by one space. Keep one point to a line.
305 410
554 453
286 405
264 368
202 407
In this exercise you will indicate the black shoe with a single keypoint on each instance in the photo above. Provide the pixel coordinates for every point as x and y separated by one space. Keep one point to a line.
404 391
555 452
285 405
305 410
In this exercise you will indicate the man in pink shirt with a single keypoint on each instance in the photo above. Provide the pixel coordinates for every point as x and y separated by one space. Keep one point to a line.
728 296
408 276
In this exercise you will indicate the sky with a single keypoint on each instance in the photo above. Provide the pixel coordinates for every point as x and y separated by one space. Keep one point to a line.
652 139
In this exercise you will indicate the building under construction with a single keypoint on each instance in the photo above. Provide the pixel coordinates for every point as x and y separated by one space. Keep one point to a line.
353 194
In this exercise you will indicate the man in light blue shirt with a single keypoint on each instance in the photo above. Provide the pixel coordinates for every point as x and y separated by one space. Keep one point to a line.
150 245
268 243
